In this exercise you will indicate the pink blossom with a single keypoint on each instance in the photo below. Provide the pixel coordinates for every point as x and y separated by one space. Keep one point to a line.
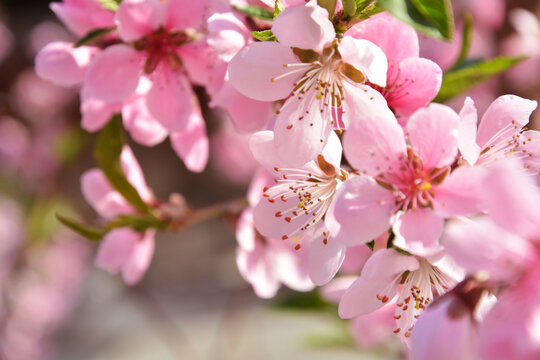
388 271
266 262
154 34
412 81
122 249
317 79
301 195
406 187
500 134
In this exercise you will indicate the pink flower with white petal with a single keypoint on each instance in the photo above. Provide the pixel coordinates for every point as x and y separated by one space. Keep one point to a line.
300 197
412 81
387 273
316 74
266 263
501 134
122 249
404 186
293 209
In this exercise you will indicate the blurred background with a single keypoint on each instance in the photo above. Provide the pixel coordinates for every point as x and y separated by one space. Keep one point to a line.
192 304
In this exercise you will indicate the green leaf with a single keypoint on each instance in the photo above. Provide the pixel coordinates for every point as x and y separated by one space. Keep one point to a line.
305 301
278 8
107 154
93 35
265 35
69 145
349 8
89 232
432 17
110 4
459 80
40 222
137 222
466 40
256 12
329 5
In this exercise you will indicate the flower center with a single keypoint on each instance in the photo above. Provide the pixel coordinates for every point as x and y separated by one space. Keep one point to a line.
309 194
162 45
412 183
321 86
416 293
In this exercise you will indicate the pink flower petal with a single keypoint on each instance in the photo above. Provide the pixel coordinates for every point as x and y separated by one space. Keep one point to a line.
380 270
325 259
251 71
113 74
365 57
245 230
142 126
191 145
440 332
433 135
139 261
99 193
138 121
62 64
256 269
418 232
362 209
398 40
183 14
467 132
363 101
374 144
262 147
290 266
512 199
305 139
480 245
227 34
170 98
417 82
461 193
504 112
138 18
116 248
134 174
304 27
95 112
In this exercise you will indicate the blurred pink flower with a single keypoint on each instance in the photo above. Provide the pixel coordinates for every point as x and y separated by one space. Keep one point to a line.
122 249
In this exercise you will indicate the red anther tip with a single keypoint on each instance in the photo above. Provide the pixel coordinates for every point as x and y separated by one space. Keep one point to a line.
325 241
297 247
284 237
288 219
278 214
397 330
